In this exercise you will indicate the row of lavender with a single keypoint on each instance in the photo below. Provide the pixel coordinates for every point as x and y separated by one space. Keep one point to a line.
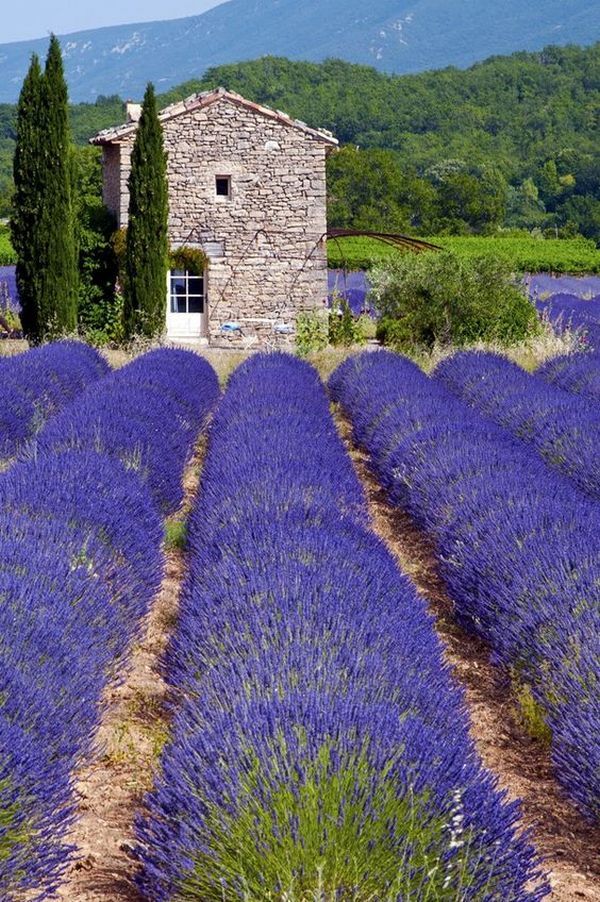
576 373
567 311
80 560
519 547
563 429
319 747
36 385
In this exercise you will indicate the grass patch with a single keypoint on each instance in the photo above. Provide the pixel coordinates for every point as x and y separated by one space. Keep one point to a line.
528 354
532 715
176 531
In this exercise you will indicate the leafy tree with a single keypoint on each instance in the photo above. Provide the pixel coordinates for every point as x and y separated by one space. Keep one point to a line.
583 213
146 254
524 208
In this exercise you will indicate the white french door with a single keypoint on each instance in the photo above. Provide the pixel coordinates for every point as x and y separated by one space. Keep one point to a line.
187 316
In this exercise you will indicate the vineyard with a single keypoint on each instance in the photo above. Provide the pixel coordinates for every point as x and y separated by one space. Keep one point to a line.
316 743
523 254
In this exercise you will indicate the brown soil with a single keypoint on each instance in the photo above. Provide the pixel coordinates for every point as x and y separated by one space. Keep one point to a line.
132 732
569 846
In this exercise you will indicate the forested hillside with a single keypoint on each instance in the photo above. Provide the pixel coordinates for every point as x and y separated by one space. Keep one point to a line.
397 36
511 142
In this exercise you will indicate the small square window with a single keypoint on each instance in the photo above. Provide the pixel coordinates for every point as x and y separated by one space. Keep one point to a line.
223 185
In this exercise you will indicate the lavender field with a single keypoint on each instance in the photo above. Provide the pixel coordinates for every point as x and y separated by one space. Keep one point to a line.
313 738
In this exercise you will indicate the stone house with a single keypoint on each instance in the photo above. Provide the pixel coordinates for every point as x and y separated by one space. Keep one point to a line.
247 187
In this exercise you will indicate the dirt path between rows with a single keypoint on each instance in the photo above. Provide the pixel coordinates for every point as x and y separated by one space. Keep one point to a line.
133 729
569 846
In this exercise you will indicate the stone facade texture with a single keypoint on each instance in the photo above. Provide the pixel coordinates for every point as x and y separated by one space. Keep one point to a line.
267 240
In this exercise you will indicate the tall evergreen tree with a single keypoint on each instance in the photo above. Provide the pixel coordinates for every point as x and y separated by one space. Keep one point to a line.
27 196
42 222
146 254
58 303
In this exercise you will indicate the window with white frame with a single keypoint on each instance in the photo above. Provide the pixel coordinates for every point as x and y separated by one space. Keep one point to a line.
186 292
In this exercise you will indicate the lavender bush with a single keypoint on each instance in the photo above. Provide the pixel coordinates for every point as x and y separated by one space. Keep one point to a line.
319 748
39 383
147 416
518 546
80 561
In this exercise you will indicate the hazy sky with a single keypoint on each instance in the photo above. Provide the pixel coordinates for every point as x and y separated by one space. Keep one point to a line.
36 18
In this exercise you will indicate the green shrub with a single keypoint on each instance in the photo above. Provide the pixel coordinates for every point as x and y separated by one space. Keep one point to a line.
442 299
344 329
532 714
311 333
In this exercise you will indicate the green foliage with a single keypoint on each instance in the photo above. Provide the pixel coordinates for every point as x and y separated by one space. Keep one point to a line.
312 333
520 252
176 531
441 298
344 329
511 141
146 252
506 120
42 223
191 259
7 253
532 714
13 831
100 309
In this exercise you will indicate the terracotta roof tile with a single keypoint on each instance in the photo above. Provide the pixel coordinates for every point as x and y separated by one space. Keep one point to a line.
204 99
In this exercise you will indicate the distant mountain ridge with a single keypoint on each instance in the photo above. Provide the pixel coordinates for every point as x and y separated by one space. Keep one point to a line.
392 35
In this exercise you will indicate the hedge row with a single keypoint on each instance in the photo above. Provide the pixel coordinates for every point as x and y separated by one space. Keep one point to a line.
563 429
519 548
80 560
319 747
37 384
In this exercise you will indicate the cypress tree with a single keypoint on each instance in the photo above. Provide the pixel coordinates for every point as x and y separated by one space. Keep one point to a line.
42 222
146 252
58 301
27 197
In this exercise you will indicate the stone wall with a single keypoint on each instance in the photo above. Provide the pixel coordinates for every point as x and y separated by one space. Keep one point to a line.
266 241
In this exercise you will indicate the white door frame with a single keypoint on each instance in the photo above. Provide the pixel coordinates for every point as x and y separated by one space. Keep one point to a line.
183 324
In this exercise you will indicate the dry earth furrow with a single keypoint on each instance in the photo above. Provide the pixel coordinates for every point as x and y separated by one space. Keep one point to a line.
134 725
